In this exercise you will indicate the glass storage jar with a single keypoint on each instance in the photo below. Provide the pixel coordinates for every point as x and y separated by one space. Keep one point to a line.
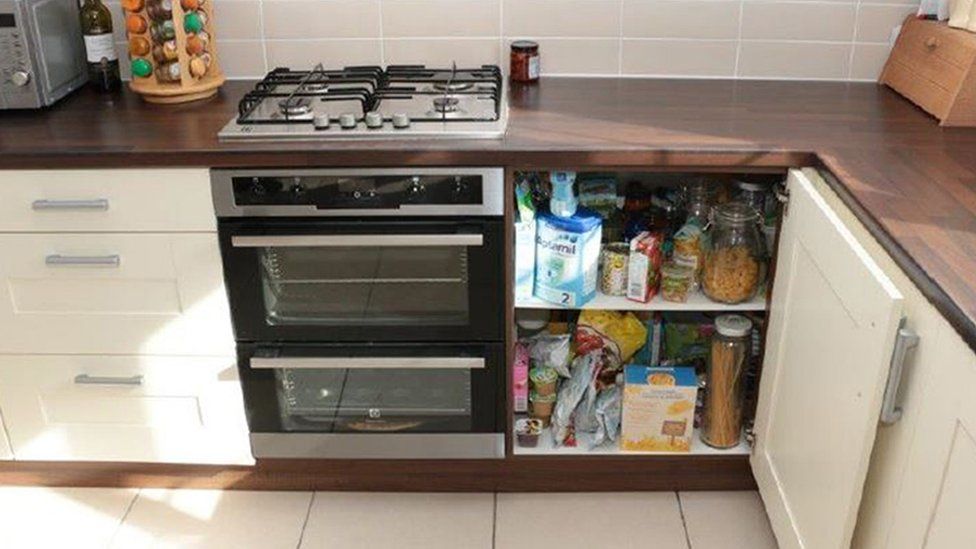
735 254
698 196
721 422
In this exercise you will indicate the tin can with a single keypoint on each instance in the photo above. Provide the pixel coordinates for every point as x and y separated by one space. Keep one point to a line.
613 278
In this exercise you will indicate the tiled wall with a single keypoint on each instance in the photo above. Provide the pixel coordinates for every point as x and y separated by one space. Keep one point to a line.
807 39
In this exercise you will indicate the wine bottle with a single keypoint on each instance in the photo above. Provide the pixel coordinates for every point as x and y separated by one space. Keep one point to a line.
103 61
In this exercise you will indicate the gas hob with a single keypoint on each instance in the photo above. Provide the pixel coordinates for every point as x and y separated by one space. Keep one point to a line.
401 101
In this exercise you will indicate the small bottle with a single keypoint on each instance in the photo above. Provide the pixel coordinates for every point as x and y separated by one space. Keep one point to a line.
563 202
139 46
195 45
141 68
194 21
165 52
162 31
135 23
160 10
169 72
103 60
198 67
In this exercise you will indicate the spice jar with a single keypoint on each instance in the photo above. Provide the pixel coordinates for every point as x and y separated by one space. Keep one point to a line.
734 255
721 425
613 276
524 61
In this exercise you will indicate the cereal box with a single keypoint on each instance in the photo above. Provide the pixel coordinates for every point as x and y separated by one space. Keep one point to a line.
659 408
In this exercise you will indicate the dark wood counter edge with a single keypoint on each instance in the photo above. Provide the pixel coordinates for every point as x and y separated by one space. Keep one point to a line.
520 474
943 303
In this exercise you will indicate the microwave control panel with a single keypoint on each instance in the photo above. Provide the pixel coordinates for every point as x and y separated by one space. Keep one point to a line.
16 81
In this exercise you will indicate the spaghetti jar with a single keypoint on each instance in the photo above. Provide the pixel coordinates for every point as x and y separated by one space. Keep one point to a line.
524 61
721 425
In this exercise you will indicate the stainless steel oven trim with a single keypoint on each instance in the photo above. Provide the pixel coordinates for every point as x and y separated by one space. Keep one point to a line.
378 446
357 240
492 199
402 363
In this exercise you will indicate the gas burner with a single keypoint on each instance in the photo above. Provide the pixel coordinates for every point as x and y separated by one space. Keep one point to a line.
399 101
295 106
451 86
445 105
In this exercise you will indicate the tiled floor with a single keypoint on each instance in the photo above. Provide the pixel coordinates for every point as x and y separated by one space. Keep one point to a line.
152 518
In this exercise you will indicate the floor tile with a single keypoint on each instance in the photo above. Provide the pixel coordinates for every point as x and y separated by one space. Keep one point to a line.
79 518
214 519
726 520
356 520
587 520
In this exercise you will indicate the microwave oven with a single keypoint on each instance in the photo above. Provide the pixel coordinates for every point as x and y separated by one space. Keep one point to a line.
42 54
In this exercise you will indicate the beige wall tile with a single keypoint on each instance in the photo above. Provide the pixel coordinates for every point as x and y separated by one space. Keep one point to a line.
238 20
241 58
680 19
868 61
577 56
798 21
561 18
433 18
679 57
875 23
466 53
304 54
321 19
794 60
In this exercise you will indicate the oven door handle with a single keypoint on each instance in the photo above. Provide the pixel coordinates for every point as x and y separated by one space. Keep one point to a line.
357 240
397 363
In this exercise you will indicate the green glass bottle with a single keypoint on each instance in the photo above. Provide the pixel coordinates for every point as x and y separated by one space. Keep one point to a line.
103 61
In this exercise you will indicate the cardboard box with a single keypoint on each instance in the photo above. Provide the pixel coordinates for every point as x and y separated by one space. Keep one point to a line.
658 408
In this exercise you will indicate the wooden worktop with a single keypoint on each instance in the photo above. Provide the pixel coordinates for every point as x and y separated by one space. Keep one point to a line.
911 182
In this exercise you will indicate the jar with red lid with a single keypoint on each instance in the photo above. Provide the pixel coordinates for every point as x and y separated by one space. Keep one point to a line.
524 61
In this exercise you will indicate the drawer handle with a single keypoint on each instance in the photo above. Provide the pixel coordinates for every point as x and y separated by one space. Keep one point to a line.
931 42
85 379
57 260
99 204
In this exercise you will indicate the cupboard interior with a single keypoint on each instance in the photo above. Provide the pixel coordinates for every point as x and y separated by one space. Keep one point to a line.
695 315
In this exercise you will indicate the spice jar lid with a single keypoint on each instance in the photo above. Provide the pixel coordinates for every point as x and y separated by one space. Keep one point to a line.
733 325
525 45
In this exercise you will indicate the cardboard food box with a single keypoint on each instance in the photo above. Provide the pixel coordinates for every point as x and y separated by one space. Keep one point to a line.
658 409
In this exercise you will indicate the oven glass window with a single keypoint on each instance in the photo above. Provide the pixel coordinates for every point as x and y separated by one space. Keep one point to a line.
366 286
375 400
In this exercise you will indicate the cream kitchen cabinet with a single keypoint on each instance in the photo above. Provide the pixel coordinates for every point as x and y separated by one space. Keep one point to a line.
5 451
124 408
117 293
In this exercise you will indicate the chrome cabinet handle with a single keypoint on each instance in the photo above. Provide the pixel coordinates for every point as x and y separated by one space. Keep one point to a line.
99 204
54 260
358 240
904 342
312 363
85 379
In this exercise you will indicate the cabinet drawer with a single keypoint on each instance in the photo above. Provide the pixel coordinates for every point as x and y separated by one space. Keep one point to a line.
124 408
113 294
106 200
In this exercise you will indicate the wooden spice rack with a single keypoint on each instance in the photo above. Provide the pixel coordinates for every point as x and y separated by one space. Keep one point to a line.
188 87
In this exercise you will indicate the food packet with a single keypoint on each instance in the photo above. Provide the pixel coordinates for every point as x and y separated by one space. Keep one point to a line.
584 371
608 409
686 342
618 334
551 351
689 249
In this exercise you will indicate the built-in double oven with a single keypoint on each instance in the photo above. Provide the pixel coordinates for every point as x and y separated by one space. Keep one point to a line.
368 307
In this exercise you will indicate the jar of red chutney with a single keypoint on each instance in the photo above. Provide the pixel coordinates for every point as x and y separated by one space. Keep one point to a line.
524 61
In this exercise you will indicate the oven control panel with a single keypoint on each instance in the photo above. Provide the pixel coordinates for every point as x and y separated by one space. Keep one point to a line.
359 192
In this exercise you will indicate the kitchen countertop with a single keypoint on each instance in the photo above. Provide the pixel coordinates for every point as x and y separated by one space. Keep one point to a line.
910 181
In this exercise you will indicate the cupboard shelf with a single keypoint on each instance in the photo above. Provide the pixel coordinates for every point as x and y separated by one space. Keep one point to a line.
547 448
696 302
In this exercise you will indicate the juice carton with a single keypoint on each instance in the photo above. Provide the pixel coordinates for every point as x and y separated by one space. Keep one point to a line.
658 409
644 266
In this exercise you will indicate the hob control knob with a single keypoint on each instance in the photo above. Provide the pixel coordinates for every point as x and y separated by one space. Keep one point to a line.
347 120
416 189
374 120
401 121
321 121
20 78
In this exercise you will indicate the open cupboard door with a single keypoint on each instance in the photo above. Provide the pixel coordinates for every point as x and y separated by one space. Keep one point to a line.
832 325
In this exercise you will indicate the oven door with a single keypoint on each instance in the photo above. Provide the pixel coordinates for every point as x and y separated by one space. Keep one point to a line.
374 401
317 280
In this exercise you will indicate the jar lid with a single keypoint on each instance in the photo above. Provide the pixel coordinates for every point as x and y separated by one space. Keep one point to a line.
733 325
735 212
524 45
